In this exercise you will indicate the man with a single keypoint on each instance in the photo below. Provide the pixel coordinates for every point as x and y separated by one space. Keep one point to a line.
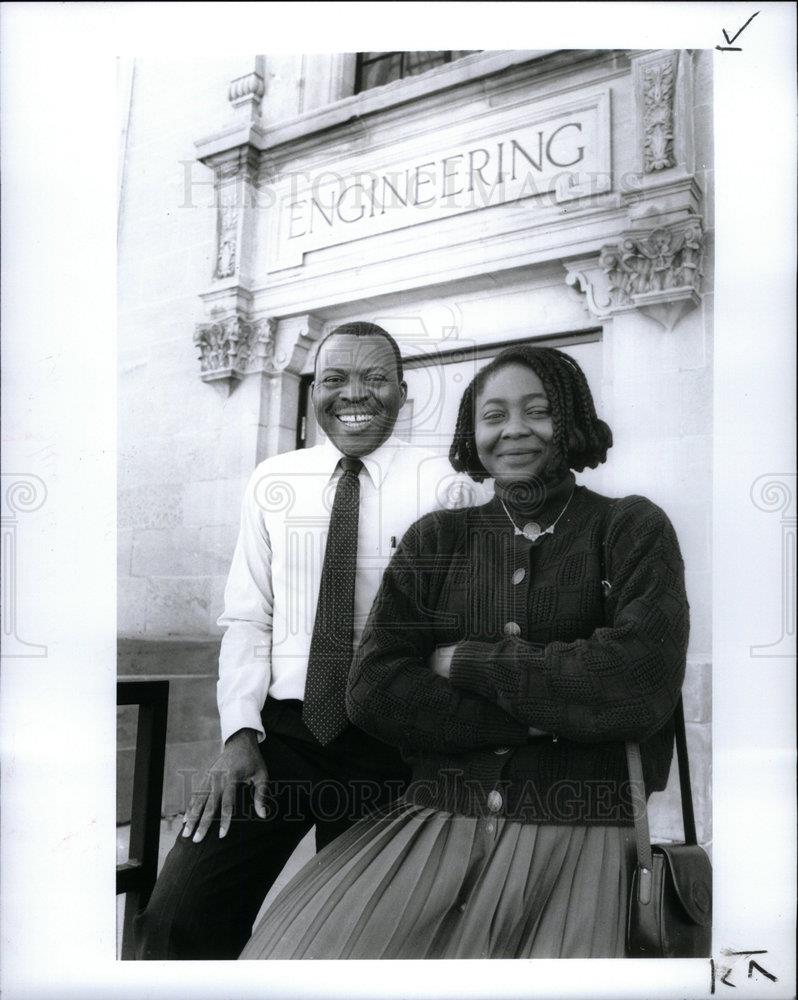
318 527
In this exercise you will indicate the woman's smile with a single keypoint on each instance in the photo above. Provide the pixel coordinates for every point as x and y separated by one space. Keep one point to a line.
513 428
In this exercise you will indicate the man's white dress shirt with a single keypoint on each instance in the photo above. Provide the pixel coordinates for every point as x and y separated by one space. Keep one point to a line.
271 593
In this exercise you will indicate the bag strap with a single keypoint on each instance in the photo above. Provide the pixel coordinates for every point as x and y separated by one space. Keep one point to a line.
688 817
640 807
635 764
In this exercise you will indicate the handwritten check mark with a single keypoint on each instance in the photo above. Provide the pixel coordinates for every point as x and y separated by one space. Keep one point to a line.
729 47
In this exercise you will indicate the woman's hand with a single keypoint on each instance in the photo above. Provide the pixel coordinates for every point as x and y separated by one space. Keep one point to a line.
441 660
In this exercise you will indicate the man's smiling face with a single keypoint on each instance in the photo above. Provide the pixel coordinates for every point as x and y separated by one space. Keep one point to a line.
356 393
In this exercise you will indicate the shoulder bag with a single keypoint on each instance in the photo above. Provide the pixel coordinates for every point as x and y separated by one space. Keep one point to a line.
670 902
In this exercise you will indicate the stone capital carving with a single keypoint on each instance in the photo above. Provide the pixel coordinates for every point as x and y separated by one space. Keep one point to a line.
233 345
655 268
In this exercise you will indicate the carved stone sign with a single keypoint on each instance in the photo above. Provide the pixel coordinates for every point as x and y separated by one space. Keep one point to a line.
558 150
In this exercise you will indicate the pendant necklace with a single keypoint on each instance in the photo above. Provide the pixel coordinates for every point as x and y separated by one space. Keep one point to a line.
532 530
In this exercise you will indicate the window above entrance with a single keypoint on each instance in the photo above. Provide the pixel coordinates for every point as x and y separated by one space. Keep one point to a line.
373 69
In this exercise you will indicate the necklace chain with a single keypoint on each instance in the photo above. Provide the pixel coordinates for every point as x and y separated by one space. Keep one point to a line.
547 531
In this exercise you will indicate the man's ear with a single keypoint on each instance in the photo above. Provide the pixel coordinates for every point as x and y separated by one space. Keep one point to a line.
403 387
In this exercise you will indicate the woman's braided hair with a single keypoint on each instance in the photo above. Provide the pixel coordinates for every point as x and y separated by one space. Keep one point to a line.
580 438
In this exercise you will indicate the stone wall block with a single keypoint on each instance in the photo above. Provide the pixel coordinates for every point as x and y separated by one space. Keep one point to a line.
709 317
695 401
640 348
124 550
699 594
149 507
213 502
702 80
652 404
154 658
709 202
697 692
674 471
177 606
131 605
704 137
173 459
188 552
692 523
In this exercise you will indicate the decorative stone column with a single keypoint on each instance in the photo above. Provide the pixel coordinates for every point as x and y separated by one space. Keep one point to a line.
236 340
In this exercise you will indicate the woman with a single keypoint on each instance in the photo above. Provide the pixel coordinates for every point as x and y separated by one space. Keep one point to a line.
511 650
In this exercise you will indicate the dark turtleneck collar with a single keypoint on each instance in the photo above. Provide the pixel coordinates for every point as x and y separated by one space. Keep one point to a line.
535 500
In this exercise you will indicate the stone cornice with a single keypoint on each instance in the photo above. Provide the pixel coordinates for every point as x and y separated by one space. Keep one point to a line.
427 89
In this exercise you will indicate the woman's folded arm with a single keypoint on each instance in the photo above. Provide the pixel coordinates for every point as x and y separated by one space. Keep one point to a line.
392 692
622 682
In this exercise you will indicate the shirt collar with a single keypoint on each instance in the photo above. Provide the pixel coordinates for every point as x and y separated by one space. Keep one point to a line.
376 463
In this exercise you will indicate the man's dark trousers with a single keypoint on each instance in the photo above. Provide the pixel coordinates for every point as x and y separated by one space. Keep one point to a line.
208 894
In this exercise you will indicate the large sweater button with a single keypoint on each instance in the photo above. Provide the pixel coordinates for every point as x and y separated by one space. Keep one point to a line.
512 628
495 801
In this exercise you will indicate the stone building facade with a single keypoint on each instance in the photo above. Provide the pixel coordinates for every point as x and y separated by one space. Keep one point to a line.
564 198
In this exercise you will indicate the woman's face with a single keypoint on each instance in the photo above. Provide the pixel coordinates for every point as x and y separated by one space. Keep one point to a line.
513 428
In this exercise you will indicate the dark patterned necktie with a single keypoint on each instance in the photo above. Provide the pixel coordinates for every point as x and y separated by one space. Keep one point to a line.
324 708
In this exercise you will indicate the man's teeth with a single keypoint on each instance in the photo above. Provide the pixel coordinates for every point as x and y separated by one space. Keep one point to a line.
355 419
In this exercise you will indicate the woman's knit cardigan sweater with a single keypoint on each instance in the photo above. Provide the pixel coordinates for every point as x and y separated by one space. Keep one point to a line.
601 623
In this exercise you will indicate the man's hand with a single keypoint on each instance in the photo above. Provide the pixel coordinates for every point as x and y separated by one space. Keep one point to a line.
441 660
239 763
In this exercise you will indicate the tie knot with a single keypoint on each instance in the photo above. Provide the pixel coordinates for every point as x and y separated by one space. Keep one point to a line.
351 465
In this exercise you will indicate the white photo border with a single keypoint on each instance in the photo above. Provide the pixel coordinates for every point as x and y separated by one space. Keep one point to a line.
60 129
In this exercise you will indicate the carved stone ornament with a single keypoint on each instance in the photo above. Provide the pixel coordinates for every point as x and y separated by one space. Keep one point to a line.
665 258
232 346
227 241
658 95
233 180
248 89
656 270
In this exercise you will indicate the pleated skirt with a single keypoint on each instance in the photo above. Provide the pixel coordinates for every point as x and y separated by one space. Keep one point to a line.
417 883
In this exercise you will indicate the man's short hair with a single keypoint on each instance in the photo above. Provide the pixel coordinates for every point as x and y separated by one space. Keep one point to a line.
362 329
